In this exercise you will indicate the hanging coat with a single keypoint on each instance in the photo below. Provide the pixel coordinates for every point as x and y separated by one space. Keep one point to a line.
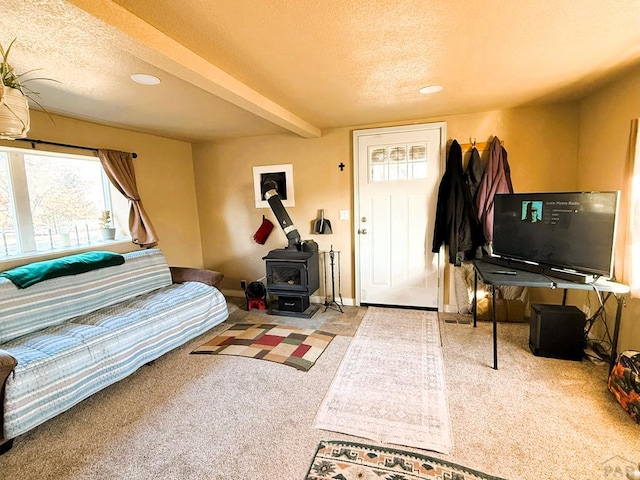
454 210
473 176
496 179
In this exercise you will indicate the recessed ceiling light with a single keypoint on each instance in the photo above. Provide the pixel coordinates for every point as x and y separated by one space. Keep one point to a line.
431 89
145 79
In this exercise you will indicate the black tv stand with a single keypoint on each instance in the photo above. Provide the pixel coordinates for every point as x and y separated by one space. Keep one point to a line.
544 270
495 277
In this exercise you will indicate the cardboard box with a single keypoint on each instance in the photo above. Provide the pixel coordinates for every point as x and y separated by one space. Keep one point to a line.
515 311
506 310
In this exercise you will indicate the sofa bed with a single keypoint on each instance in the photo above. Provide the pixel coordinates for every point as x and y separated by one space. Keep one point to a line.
64 338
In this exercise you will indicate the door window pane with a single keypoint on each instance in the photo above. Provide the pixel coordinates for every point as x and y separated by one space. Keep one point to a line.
398 154
397 162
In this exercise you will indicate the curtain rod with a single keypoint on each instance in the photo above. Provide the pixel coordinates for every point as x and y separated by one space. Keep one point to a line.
44 142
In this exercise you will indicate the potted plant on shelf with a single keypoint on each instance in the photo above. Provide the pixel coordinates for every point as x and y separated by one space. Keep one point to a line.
107 232
14 99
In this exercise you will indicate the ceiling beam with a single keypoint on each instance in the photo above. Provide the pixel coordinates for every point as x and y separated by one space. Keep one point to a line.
154 47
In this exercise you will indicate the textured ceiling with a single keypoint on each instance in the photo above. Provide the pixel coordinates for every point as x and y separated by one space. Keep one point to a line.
247 67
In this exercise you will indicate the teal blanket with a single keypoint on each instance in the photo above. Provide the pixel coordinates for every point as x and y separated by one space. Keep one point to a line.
33 273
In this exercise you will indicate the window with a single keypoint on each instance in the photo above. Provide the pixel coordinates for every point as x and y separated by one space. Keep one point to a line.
7 218
50 201
397 162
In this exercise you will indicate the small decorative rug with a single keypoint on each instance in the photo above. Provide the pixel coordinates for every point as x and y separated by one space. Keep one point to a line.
354 461
390 384
293 346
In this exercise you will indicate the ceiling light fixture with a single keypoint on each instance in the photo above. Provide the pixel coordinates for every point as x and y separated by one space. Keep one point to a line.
430 89
145 79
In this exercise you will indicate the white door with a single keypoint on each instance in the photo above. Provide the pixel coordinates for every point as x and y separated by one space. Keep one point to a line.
397 172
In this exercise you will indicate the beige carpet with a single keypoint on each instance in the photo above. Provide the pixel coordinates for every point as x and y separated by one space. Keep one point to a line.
390 385
195 417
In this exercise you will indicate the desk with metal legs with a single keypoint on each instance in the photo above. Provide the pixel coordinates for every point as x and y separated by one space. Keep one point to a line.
497 275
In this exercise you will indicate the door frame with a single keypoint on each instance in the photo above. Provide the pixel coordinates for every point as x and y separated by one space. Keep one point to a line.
357 134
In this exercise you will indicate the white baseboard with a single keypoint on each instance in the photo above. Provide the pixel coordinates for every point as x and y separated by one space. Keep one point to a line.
450 308
348 302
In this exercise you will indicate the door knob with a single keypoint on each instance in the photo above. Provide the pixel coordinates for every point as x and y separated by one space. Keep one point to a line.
362 231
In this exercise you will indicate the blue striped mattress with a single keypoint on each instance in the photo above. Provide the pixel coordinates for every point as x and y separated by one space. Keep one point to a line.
55 301
64 363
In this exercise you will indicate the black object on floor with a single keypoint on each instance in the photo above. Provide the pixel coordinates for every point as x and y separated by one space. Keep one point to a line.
327 303
557 331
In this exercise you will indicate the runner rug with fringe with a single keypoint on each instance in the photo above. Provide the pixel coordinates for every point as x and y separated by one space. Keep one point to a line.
390 384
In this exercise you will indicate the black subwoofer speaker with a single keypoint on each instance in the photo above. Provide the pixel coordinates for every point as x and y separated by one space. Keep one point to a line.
557 331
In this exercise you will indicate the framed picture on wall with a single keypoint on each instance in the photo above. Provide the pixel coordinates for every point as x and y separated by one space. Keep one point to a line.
282 175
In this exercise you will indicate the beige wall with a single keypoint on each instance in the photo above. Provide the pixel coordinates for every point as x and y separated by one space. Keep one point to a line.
605 121
229 218
164 172
539 140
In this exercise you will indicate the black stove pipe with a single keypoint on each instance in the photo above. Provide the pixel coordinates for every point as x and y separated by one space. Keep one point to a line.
270 189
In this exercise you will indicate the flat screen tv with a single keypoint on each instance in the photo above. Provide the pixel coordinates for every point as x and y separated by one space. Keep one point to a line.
568 231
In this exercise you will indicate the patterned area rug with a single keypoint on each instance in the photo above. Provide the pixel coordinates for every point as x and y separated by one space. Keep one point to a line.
390 385
293 346
354 461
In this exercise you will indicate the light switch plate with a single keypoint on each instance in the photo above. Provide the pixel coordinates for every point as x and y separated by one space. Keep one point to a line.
344 214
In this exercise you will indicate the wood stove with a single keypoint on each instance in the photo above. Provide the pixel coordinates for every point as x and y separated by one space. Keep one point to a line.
293 275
